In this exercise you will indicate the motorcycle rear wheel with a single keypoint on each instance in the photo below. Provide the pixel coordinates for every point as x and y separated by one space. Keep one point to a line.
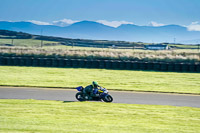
79 96
108 99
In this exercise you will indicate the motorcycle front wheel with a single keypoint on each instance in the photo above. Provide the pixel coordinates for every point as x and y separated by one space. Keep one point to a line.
108 99
79 96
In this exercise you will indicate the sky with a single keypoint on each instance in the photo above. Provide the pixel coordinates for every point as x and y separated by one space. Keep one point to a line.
109 12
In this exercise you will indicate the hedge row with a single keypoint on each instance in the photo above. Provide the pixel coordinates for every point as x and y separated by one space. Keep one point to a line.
104 64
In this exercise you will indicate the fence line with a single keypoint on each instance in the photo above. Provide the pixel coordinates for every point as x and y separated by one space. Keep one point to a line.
102 64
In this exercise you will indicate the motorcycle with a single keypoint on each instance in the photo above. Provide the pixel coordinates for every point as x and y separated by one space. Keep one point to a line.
102 95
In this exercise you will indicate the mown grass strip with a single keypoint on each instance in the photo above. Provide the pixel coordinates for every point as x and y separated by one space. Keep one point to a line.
111 79
58 116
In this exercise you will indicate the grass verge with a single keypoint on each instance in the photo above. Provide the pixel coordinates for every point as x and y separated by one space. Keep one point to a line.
58 116
111 79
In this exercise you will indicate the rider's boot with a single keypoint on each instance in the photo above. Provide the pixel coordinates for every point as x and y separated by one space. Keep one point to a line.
90 98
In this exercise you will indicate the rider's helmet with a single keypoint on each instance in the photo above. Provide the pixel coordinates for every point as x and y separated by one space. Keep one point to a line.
95 84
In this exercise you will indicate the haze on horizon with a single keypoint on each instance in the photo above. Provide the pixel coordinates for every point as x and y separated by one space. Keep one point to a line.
182 13
108 12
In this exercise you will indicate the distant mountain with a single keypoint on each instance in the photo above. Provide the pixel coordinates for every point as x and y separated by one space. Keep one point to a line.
98 31
88 30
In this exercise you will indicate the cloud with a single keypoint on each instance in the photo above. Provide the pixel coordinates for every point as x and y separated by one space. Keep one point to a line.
113 23
155 24
64 22
39 22
67 22
194 26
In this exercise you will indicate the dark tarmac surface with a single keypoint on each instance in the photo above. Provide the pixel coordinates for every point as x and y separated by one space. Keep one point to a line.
118 96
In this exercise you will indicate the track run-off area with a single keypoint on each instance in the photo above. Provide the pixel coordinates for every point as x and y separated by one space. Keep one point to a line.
118 96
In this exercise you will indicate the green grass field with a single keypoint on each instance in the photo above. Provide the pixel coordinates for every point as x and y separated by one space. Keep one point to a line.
83 117
111 79
25 42
185 46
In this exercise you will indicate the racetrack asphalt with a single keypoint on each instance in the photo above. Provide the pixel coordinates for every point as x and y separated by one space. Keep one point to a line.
118 96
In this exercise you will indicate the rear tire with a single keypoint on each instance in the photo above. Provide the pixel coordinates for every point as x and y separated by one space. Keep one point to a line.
108 99
79 96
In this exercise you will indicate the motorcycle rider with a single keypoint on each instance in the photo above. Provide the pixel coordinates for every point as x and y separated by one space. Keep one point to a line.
91 90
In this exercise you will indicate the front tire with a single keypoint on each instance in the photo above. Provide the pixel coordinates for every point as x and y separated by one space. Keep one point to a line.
79 96
108 99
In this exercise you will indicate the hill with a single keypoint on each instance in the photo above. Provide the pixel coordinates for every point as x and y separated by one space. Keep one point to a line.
6 34
96 31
